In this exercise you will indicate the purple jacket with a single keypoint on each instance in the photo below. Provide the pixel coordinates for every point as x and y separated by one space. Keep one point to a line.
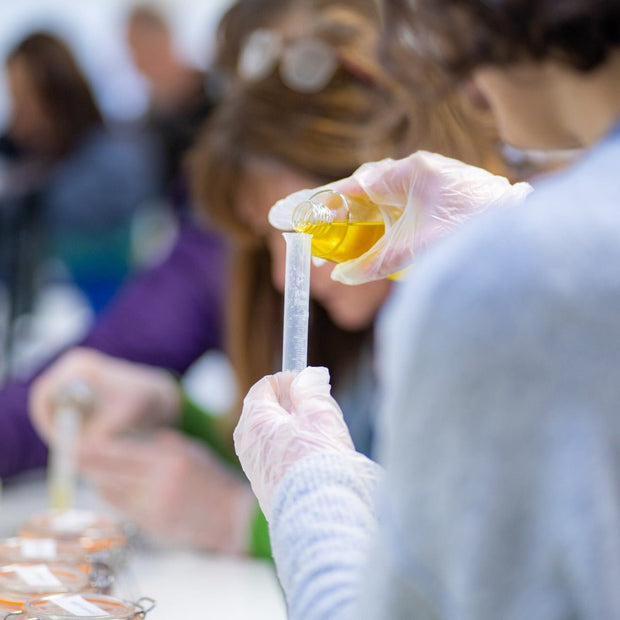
167 316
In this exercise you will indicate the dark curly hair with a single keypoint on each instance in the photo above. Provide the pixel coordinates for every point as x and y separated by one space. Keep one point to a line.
459 35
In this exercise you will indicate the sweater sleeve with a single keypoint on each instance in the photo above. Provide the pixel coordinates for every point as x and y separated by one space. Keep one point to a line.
322 523
172 313
499 430
20 446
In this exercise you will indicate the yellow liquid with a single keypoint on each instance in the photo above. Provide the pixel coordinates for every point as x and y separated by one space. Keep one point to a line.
61 495
342 241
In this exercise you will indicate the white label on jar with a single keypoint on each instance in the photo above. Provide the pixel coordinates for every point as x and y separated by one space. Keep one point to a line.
79 606
40 549
73 521
37 576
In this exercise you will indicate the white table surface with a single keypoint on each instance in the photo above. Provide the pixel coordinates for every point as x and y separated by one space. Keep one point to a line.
184 583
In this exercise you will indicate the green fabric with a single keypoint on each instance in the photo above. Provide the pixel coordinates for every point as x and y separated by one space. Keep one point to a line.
209 428
200 424
260 546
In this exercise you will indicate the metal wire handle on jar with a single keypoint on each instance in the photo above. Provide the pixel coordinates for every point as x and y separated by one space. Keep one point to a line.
140 603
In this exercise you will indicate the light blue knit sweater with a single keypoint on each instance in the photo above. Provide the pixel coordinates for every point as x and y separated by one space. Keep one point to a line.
499 433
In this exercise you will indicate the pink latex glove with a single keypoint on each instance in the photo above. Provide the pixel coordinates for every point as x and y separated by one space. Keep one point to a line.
286 418
423 198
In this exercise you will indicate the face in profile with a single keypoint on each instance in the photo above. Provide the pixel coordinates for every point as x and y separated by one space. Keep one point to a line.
351 308
524 104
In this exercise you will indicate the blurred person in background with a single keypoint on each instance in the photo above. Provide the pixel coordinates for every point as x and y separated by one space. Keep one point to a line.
274 132
167 317
499 431
180 96
168 314
88 180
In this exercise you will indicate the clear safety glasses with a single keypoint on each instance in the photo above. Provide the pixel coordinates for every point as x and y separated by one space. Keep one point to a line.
306 64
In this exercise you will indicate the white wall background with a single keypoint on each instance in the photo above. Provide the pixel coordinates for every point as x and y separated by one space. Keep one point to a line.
95 30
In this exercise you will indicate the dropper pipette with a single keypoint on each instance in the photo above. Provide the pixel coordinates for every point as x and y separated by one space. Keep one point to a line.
296 301
72 402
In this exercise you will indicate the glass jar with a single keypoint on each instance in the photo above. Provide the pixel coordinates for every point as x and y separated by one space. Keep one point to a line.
94 532
20 549
20 583
342 227
85 606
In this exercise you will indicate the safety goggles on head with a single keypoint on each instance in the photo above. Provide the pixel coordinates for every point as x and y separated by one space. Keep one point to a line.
306 65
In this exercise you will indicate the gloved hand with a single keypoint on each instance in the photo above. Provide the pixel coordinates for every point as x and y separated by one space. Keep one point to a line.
431 196
174 488
126 395
285 418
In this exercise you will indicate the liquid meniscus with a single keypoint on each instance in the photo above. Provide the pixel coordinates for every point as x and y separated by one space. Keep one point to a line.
341 241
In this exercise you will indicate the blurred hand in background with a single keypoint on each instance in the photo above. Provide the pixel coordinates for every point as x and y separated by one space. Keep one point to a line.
174 488
126 396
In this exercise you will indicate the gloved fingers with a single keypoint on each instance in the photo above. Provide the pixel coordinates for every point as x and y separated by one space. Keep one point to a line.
442 195
386 182
310 394
310 382
424 178
286 417
392 253
390 181
349 186
462 188
394 183
257 418
270 388
260 436
289 399
420 226
372 265
317 418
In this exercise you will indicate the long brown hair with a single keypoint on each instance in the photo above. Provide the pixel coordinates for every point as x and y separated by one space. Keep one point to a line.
359 116
61 86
